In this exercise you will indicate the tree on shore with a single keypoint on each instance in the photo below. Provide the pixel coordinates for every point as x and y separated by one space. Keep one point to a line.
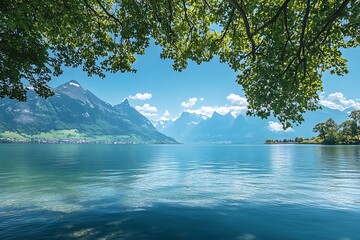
278 49
345 133
355 126
321 129
328 131
346 130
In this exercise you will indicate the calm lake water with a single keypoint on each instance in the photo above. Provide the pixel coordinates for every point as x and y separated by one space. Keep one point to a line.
179 192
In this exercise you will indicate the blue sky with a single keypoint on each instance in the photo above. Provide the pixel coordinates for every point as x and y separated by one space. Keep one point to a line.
158 91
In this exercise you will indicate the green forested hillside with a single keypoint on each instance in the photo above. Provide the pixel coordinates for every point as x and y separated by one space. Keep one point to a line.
77 110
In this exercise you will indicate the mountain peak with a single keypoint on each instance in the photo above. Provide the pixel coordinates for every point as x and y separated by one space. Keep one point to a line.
229 115
215 114
184 114
74 83
125 102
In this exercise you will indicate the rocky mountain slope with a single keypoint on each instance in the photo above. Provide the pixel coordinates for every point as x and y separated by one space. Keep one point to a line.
75 108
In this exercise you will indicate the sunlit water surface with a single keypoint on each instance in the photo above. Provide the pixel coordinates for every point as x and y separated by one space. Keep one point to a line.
179 192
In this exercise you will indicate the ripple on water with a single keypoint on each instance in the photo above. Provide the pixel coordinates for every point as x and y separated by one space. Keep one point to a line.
154 191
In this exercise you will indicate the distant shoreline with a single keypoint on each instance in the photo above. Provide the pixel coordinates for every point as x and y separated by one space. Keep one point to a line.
80 141
311 143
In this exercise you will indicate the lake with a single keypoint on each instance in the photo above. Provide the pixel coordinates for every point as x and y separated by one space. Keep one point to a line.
241 192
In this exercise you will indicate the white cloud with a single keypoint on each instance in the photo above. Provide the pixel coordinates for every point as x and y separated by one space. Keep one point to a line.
237 100
74 84
174 119
277 127
209 110
238 110
238 105
147 110
338 101
163 118
166 113
191 102
141 96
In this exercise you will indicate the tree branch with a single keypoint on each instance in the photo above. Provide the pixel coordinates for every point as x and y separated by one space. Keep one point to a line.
303 29
247 25
107 13
274 18
287 27
288 66
207 4
186 16
331 19
171 11
228 24
91 8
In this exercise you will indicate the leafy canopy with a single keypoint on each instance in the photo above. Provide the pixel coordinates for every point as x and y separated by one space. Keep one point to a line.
278 48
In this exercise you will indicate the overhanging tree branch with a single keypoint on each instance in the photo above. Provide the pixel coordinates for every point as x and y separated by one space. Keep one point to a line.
287 27
274 18
186 15
331 19
247 25
228 24
303 29
108 13
171 11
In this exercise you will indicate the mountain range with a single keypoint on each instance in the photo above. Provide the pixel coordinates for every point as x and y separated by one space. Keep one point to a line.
76 113
193 128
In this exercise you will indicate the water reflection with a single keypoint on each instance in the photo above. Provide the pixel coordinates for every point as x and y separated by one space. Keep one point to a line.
210 185
281 160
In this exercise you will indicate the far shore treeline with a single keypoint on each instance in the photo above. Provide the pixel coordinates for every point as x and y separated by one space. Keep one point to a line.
331 133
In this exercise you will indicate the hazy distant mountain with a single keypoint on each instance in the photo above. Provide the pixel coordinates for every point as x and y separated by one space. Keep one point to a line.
214 129
180 129
74 107
160 125
244 129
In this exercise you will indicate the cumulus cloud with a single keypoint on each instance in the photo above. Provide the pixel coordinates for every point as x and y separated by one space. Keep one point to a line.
277 127
191 102
163 118
141 96
237 100
238 105
209 110
147 110
338 101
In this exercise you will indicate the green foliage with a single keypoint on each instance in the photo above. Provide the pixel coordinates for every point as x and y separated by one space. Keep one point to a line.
328 131
60 134
321 129
345 133
355 125
72 136
279 50
331 133
13 135
355 115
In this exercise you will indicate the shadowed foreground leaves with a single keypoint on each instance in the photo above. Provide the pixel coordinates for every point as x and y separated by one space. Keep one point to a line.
278 48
